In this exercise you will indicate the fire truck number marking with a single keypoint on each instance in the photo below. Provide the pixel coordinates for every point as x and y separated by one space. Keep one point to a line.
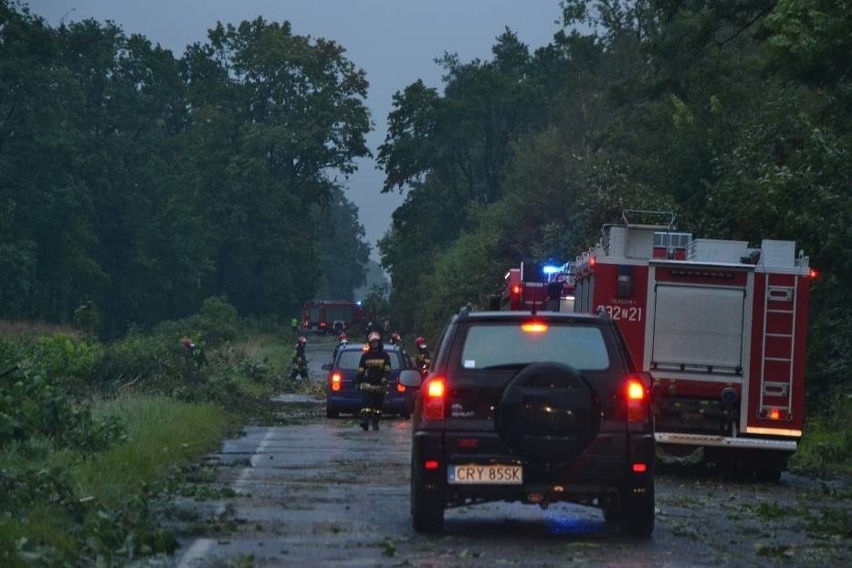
623 313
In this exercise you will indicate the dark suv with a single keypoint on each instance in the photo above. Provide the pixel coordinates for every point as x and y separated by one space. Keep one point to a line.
532 408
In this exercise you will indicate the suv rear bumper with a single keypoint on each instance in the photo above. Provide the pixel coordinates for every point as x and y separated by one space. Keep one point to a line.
606 467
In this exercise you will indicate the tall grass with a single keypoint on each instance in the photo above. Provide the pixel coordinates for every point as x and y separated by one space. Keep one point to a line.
160 433
826 447
70 508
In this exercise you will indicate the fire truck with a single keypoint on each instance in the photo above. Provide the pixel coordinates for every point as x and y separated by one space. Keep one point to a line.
330 316
540 287
721 327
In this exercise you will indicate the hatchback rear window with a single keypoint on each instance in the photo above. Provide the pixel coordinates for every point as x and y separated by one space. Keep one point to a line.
494 345
349 359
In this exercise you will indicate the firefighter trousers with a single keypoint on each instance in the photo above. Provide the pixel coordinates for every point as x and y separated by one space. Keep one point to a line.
371 409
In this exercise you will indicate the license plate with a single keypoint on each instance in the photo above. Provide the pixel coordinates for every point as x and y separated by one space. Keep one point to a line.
485 474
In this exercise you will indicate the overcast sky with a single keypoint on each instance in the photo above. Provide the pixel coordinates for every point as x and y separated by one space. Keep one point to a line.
395 41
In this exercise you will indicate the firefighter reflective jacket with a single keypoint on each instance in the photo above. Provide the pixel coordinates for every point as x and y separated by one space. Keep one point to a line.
373 370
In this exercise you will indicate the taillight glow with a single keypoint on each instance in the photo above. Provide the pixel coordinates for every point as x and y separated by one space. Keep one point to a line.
433 402
336 381
635 390
813 273
516 290
436 388
400 387
640 467
431 464
534 327
638 407
774 414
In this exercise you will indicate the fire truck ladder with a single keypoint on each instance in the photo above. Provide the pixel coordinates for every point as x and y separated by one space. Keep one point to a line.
779 299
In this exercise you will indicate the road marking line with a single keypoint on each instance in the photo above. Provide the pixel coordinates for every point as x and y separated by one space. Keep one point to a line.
198 550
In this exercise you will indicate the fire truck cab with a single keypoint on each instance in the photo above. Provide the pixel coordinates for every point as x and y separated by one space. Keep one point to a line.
722 328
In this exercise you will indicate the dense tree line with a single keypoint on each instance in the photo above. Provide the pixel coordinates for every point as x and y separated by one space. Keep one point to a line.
138 184
733 114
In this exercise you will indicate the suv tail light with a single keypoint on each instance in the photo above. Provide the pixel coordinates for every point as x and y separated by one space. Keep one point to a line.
433 399
638 399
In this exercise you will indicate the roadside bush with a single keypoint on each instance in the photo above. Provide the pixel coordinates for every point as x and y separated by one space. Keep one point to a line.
31 406
217 323
827 442
143 362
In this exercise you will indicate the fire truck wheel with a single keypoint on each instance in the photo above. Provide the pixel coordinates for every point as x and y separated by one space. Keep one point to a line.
548 413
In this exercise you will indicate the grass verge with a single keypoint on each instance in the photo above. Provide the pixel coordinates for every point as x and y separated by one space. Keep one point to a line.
826 448
66 508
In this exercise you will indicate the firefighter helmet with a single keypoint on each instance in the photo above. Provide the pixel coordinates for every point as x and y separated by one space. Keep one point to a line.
395 338
420 341
342 337
302 340
374 336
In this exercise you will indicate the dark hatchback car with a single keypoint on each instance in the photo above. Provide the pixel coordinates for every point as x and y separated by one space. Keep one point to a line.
342 394
533 408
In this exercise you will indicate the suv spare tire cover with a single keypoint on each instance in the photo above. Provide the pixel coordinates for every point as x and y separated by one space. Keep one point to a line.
548 413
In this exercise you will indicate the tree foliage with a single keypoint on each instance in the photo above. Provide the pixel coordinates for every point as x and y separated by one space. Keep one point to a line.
145 183
733 115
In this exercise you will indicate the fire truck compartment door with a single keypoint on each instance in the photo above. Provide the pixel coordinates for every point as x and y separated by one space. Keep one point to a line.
697 326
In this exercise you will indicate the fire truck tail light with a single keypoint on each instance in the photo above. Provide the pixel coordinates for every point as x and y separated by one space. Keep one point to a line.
516 290
336 381
775 414
640 467
431 465
813 274
433 401
400 387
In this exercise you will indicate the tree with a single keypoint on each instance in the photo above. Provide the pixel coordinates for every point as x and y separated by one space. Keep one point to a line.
272 113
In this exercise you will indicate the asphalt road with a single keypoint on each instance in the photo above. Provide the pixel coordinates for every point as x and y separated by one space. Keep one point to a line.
321 492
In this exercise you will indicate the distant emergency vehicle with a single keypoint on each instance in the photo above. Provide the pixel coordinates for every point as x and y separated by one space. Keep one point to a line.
330 316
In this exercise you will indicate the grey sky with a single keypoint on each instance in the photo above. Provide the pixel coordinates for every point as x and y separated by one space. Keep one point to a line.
394 41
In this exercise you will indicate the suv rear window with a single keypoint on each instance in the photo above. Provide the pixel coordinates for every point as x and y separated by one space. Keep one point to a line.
349 359
495 344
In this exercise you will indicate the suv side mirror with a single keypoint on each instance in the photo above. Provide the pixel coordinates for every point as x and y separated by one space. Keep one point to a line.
410 378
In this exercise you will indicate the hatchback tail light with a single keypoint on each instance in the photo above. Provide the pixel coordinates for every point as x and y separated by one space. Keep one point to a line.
335 381
433 399
638 399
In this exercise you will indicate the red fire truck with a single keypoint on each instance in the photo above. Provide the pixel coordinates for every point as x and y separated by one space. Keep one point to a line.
721 327
546 287
330 316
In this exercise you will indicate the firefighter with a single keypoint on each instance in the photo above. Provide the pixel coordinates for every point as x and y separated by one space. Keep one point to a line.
422 360
195 351
342 341
300 361
374 328
396 339
373 371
